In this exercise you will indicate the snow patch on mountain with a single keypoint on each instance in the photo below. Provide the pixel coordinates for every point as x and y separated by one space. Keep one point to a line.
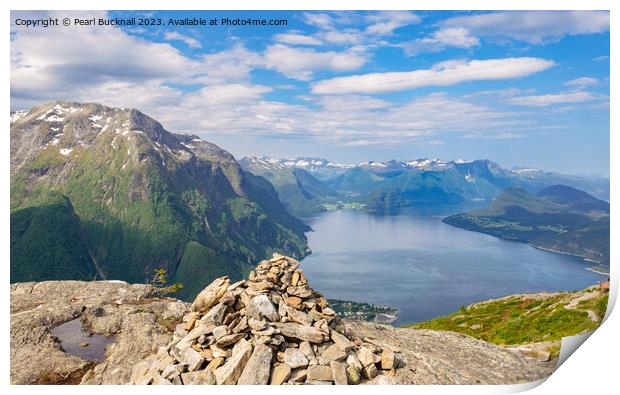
17 115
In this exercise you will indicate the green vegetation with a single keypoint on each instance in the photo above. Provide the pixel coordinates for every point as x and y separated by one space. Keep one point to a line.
46 242
132 205
558 218
526 319
199 266
300 193
160 281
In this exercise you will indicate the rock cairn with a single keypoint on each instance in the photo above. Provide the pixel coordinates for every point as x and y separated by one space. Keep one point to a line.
270 329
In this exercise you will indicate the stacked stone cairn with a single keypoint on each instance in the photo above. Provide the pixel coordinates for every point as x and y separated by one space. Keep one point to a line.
270 329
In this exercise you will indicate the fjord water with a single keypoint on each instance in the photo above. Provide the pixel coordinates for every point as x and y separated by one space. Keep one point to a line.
426 268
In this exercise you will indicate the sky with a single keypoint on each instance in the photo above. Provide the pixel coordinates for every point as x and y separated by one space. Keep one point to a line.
522 88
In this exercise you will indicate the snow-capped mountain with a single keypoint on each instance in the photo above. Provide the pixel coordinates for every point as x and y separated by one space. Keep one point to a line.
318 167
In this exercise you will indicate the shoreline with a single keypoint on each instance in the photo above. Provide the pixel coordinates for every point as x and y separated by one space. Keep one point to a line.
586 259
562 252
597 271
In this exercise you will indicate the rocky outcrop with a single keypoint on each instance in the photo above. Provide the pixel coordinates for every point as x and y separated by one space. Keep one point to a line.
270 329
442 357
139 320
233 332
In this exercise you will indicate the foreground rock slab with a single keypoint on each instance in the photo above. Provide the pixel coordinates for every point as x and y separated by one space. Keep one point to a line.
441 357
138 320
270 329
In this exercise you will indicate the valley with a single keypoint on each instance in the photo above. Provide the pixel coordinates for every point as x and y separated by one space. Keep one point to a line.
108 193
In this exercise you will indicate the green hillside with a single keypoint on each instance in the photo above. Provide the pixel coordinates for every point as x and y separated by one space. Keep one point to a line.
145 198
301 194
526 319
558 218
47 242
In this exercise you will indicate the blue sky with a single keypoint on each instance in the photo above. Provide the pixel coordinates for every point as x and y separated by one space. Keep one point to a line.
522 88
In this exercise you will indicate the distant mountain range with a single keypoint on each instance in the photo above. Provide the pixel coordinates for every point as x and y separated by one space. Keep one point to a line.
558 218
387 187
100 192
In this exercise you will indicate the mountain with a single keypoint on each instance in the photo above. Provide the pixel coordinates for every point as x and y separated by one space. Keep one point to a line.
301 193
108 192
390 186
558 218
387 187
320 168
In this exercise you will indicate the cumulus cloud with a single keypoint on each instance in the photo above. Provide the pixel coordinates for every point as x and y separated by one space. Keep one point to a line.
231 65
62 60
456 37
337 28
215 92
363 120
176 36
301 63
551 99
385 22
350 36
443 74
534 27
86 62
320 20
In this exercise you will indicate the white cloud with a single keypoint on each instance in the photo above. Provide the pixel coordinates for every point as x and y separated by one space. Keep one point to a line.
443 74
534 27
454 36
319 20
61 62
297 39
457 37
190 41
551 99
493 136
301 63
385 22
110 66
582 82
231 65
351 36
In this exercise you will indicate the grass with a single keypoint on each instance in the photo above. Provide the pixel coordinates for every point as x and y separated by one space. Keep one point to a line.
523 319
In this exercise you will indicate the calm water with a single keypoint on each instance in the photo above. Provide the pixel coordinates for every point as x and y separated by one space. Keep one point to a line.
76 342
426 268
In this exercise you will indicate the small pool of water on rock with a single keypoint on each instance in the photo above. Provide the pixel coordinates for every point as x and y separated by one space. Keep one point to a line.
75 341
